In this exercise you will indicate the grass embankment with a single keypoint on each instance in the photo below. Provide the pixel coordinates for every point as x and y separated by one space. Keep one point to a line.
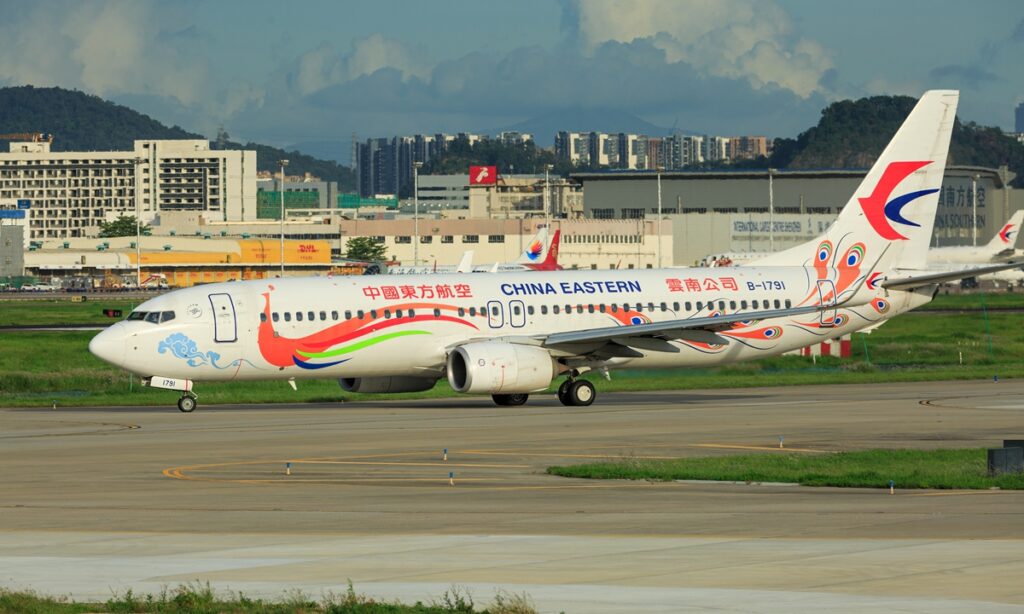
57 312
960 469
40 368
201 599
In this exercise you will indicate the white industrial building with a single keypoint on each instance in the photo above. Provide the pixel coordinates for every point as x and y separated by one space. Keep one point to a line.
72 193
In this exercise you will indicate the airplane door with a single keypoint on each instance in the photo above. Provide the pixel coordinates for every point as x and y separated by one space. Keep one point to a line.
495 314
827 296
516 314
225 327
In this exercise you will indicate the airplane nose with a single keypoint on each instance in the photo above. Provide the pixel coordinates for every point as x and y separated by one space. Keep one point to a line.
109 345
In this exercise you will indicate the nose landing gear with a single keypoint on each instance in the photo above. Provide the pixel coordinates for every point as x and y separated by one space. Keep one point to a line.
187 402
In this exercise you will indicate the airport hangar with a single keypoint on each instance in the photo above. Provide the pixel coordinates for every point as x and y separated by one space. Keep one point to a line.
729 211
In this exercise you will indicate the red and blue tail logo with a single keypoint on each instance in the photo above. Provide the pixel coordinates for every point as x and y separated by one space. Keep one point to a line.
881 211
534 250
1007 233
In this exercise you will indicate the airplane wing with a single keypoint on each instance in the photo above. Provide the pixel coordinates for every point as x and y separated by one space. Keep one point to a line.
619 340
928 278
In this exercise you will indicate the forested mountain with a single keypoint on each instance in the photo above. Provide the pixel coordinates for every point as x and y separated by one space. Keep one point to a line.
81 122
852 134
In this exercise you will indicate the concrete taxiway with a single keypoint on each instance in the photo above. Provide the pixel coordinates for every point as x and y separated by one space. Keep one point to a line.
95 500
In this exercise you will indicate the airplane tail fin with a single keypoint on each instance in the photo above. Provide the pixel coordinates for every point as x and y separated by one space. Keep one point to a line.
550 262
889 219
1006 238
536 249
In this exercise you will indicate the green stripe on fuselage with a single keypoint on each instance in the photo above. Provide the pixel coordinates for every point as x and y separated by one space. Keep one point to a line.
361 344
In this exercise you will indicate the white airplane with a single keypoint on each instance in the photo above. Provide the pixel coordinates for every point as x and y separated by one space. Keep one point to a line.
539 255
1001 247
513 334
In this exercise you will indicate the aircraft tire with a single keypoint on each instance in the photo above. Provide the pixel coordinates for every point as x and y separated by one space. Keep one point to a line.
581 393
563 392
510 400
186 404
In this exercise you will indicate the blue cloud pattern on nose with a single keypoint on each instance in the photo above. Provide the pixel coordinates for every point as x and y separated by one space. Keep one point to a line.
182 347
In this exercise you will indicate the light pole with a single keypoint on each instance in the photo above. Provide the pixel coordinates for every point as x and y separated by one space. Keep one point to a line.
283 164
416 212
138 229
771 211
547 198
974 209
659 217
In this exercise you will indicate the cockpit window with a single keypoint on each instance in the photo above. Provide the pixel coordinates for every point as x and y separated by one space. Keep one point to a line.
153 316
137 315
166 316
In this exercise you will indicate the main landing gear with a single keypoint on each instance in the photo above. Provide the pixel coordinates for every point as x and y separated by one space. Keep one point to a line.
187 402
576 392
510 400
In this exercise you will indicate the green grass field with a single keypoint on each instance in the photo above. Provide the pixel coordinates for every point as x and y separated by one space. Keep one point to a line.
198 598
41 368
960 469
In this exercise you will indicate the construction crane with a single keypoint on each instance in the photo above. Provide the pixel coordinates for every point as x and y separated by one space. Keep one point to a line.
34 137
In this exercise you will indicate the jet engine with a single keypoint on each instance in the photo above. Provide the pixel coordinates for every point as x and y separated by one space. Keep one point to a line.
386 384
496 367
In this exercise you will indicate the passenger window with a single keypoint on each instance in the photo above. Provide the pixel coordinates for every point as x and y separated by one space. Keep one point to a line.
312 316
543 310
732 305
601 307
373 314
754 303
334 316
437 313
298 316
263 317
287 316
412 313
462 311
323 316
273 316
777 305
529 310
360 314
689 306
743 304
789 303
387 314
555 309
650 306
153 316
721 305
516 310
675 306
615 308
398 313
700 306
664 307
568 309
590 308
348 314
472 311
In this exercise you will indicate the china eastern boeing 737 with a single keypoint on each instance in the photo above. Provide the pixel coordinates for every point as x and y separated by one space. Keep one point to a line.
512 334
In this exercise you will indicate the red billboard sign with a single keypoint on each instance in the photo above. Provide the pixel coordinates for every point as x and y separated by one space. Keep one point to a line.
483 175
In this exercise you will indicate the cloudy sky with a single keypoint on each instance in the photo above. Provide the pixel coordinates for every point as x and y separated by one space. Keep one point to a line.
317 70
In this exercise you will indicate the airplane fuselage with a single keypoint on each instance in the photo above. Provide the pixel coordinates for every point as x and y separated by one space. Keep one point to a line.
369 326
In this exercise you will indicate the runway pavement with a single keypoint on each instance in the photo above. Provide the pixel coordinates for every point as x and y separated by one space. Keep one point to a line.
95 500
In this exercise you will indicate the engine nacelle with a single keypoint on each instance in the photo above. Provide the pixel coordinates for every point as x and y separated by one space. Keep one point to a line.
397 383
496 367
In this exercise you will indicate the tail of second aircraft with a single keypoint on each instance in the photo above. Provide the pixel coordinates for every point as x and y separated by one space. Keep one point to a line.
888 221
1006 238
539 255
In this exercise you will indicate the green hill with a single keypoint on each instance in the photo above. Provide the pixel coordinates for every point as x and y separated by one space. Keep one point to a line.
852 134
82 122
